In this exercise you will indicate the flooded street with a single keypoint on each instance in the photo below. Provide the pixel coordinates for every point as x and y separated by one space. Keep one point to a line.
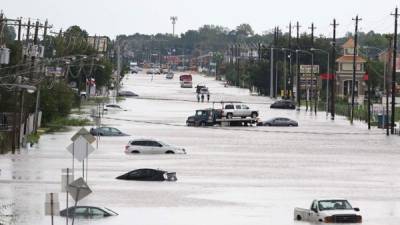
229 176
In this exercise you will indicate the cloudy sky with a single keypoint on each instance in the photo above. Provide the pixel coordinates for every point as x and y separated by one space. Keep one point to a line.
112 17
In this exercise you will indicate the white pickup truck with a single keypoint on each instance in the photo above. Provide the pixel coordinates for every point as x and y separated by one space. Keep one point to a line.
329 211
238 110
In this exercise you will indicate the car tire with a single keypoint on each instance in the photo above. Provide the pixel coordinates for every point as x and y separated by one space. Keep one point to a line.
229 116
254 115
135 152
169 152
203 124
268 124
298 217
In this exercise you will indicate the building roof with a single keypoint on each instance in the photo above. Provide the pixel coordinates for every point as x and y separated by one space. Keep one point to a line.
349 43
349 58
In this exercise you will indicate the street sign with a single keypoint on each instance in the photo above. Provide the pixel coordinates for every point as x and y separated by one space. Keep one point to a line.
78 189
83 132
51 205
66 178
80 148
306 69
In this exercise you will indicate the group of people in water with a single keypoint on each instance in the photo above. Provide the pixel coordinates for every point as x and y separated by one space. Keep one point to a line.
202 92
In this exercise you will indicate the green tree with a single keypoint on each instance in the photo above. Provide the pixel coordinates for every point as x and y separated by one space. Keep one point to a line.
244 30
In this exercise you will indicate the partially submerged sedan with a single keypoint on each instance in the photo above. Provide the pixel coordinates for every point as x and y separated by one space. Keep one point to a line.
149 175
106 131
87 212
150 146
279 122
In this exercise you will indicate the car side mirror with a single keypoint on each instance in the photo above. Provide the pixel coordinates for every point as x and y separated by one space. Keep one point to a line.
357 209
315 210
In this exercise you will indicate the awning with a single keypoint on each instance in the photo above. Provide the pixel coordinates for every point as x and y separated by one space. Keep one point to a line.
326 76
365 78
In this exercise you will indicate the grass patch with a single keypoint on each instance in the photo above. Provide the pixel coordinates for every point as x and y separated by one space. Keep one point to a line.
60 124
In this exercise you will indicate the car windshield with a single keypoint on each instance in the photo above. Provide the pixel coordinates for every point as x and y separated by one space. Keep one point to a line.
334 205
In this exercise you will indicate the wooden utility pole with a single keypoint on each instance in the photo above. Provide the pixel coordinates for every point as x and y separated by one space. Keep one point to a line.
396 15
333 69
353 83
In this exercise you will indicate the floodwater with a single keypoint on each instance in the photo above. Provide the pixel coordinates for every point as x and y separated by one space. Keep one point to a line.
230 176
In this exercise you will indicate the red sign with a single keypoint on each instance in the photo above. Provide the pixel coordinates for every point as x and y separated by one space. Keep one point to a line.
366 77
326 76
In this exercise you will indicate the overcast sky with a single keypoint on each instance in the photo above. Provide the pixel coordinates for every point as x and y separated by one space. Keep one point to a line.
113 17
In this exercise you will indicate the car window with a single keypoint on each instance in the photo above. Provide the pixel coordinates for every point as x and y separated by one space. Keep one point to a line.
229 107
238 107
245 107
154 144
314 206
139 143
96 212
106 129
80 210
114 130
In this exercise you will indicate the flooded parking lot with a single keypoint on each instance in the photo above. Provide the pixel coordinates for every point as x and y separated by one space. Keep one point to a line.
231 175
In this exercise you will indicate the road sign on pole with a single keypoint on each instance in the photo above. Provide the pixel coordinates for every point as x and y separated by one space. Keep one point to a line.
51 206
80 149
78 189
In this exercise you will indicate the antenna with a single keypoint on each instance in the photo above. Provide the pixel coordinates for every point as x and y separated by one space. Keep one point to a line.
173 20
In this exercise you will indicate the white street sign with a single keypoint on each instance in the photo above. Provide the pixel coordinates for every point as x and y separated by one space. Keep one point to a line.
80 148
51 205
78 189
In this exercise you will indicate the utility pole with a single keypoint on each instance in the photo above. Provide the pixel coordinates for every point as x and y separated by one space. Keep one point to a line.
353 83
118 67
298 65
36 115
333 71
238 65
271 77
276 64
387 85
369 95
396 15
173 20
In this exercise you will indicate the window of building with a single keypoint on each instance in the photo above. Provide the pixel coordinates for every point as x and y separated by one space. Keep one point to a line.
347 86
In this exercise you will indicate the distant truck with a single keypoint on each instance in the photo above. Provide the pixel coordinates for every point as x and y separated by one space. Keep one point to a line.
212 116
329 211
186 81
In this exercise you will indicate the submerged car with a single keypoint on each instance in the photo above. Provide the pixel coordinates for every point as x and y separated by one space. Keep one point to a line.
150 146
279 122
127 94
169 76
113 107
87 212
106 131
283 104
149 175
